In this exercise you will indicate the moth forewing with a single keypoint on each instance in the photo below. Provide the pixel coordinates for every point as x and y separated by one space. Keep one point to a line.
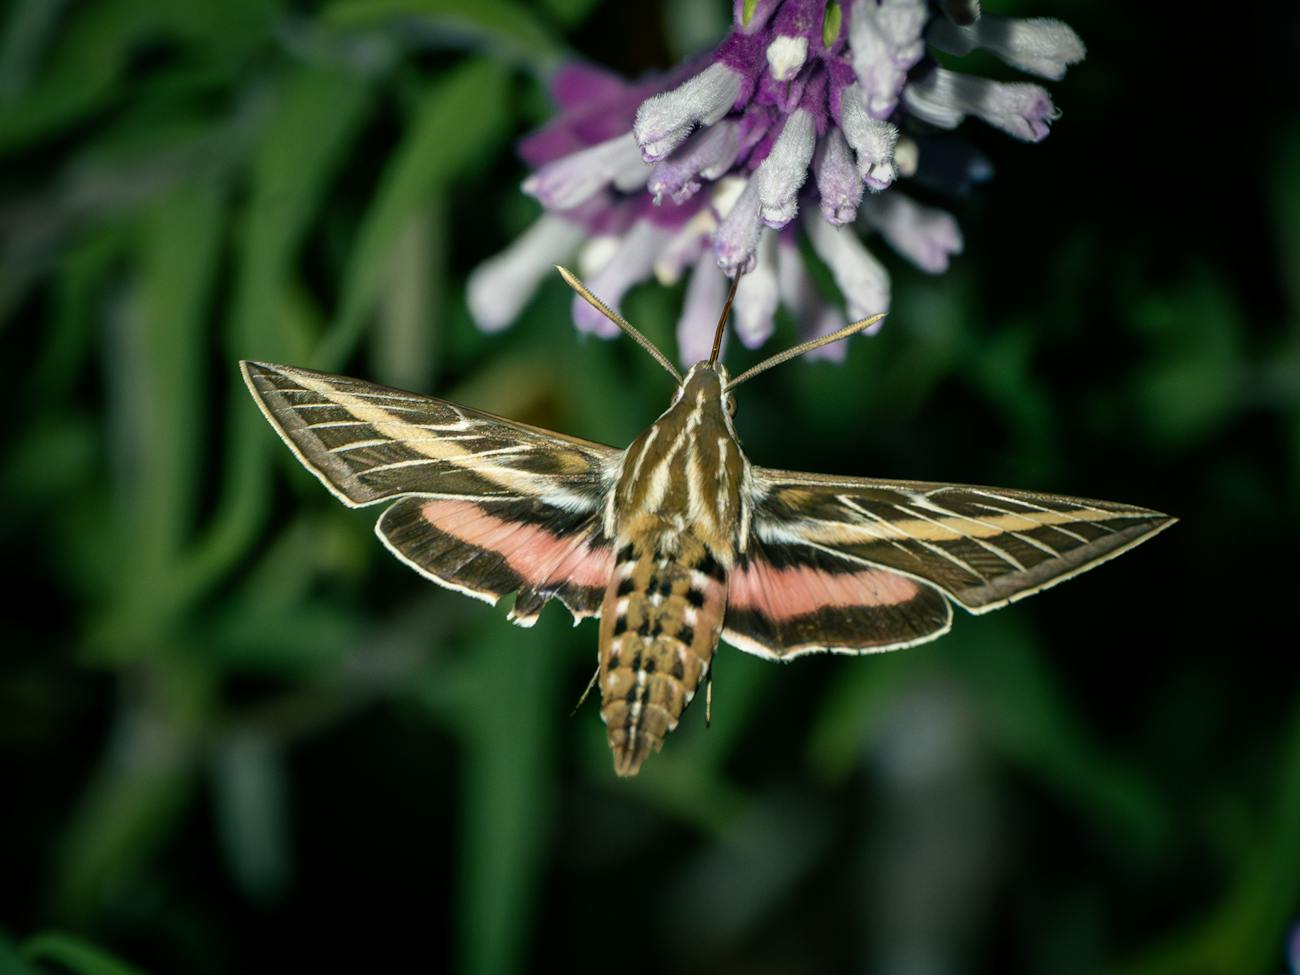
984 547
484 506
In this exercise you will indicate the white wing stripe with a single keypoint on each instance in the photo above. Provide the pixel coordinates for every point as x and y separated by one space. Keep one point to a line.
986 545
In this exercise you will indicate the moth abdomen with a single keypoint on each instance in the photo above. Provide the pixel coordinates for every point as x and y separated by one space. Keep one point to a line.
660 624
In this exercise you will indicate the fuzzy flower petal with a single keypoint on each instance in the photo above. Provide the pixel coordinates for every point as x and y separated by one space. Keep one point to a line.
838 183
1038 45
872 140
862 279
704 297
632 263
886 38
685 247
782 174
757 296
575 179
664 121
707 155
944 98
800 295
499 288
735 243
801 109
926 236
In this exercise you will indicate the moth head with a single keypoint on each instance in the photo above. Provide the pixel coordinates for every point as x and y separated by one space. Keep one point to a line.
707 378
705 389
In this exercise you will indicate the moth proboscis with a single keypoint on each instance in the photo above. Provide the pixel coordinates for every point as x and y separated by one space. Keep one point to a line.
679 541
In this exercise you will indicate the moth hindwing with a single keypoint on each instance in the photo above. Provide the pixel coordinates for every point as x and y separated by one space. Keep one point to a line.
678 542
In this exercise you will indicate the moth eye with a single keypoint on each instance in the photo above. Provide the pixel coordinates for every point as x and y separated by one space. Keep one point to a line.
731 406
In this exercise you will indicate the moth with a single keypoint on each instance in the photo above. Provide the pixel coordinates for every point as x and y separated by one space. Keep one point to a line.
679 541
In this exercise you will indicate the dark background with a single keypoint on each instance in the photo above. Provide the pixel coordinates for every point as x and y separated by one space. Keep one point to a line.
237 736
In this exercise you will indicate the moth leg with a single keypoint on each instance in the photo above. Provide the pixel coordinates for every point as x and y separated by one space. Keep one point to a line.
590 684
708 701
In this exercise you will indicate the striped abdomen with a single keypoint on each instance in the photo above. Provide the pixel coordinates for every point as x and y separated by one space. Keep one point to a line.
660 624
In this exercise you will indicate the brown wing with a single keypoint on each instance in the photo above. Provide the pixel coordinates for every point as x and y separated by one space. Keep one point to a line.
878 550
985 547
489 506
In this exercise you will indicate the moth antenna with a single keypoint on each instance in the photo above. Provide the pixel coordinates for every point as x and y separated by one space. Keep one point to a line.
572 281
722 319
803 347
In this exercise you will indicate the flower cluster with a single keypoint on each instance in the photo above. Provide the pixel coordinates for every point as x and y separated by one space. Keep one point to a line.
801 121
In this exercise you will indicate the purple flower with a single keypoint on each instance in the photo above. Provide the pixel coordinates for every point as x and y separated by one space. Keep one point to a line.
806 108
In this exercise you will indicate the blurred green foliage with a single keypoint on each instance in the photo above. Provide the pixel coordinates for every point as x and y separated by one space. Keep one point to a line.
238 737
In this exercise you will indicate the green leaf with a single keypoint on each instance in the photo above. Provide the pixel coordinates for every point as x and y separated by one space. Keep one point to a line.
855 707
140 794
509 30
471 101
508 720
156 401
315 124
28 29
94 50
161 376
11 962
405 340
1190 385
81 272
75 954
570 13
250 793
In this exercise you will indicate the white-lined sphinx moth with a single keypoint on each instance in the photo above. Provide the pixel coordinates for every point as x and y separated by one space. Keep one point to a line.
678 541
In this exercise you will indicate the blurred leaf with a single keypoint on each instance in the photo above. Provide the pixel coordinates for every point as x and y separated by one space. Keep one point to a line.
81 274
251 797
1187 389
75 954
509 30
471 101
691 26
1001 366
854 708
130 810
158 395
750 876
96 41
291 641
27 30
11 962
318 116
94 49
286 571
405 340
570 13
52 459
508 720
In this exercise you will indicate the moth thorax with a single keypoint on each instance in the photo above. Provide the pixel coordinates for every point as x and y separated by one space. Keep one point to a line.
660 623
